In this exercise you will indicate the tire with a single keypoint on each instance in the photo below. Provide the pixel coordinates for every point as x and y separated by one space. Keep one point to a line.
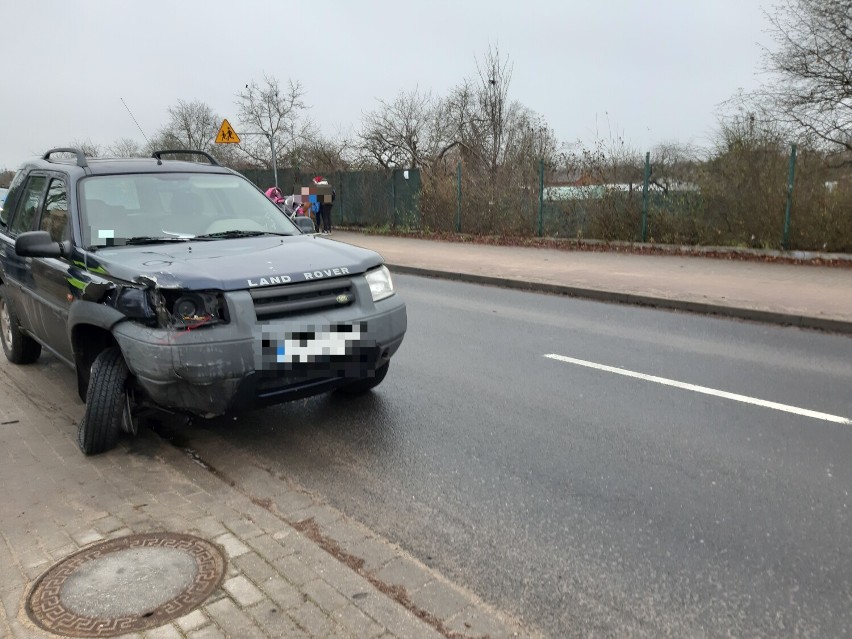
105 403
19 348
365 384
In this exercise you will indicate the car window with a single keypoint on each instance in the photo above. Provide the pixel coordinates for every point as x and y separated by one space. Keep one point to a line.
115 208
54 220
28 204
14 187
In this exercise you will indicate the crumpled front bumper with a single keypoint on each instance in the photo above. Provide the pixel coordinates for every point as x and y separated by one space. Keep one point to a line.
236 366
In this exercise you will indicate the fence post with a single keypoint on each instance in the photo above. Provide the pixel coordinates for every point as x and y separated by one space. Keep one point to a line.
645 197
338 199
459 199
541 197
393 196
790 177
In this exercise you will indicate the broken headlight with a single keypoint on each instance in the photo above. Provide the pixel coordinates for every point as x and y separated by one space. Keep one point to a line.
185 310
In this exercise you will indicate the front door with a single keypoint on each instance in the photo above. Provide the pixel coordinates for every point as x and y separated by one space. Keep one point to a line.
53 282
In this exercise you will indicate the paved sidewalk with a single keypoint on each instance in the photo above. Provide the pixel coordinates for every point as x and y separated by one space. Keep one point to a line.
799 295
296 568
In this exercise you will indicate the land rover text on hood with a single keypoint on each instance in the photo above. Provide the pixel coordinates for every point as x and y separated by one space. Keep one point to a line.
178 285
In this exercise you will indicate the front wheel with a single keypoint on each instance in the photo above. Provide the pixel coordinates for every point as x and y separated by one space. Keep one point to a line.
106 402
19 348
365 384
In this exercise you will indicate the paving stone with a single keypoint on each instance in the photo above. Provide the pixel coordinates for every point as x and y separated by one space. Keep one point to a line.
87 537
339 632
282 592
312 619
210 632
34 571
232 620
350 584
164 632
108 524
321 514
53 539
325 595
233 546
292 501
209 527
294 570
343 531
357 622
269 548
121 532
253 566
476 622
401 621
404 572
275 622
172 500
192 621
268 522
21 631
244 592
441 599
374 553
243 528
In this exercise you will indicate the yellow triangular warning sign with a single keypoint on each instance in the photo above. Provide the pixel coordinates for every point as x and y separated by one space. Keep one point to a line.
226 134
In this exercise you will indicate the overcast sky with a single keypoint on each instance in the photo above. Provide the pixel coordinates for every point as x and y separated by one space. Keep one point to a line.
652 70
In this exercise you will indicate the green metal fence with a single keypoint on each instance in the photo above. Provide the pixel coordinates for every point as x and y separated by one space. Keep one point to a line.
734 204
363 198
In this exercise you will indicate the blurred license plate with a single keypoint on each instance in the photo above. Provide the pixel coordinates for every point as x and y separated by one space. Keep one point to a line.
311 346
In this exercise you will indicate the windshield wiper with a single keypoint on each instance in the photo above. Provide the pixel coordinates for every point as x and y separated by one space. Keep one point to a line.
229 234
154 240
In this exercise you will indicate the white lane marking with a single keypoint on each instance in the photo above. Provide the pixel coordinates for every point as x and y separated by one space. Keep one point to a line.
703 389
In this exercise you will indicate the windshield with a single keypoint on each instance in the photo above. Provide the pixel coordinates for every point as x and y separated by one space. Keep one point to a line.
118 208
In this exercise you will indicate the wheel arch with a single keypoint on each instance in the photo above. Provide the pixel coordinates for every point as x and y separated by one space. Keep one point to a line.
90 326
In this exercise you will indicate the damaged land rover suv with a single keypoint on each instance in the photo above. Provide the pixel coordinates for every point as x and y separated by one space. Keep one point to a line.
178 285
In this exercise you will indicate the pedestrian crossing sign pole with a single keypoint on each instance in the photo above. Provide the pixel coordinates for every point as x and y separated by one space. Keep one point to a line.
226 134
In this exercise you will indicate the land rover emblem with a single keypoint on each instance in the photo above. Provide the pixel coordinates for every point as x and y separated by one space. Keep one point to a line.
342 298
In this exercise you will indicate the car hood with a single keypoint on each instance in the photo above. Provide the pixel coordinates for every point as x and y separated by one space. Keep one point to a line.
233 264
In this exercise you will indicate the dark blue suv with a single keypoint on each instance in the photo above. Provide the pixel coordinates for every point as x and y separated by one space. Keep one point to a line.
176 284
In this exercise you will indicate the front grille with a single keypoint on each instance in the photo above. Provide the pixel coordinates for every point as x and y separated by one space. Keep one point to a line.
281 301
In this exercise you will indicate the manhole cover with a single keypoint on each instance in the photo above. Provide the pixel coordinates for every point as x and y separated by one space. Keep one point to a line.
125 585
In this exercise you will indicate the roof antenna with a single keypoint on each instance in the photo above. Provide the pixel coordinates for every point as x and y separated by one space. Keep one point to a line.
134 120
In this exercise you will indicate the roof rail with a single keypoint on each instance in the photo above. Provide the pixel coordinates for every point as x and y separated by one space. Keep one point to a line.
81 157
210 158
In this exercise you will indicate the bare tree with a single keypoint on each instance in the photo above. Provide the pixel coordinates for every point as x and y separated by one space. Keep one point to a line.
125 148
89 148
192 125
810 91
495 112
271 112
326 155
674 165
401 133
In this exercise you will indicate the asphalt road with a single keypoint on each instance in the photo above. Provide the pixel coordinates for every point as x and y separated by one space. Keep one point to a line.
587 502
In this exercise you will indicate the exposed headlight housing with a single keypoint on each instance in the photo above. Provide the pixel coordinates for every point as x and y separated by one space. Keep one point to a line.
188 310
381 284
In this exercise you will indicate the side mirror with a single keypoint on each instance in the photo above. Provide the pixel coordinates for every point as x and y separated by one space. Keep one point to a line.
305 224
40 244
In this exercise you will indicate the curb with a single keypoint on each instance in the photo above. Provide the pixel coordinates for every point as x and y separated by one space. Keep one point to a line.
704 308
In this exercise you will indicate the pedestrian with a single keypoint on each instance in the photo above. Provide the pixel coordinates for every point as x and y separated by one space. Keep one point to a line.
324 207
